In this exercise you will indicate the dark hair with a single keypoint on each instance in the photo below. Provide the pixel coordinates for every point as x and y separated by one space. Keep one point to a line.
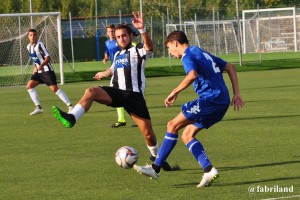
31 30
178 36
129 28
112 26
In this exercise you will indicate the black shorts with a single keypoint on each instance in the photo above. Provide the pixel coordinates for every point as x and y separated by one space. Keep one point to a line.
133 102
49 78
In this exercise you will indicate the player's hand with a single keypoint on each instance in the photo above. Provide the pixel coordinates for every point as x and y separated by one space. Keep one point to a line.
99 76
138 21
169 101
39 68
237 102
104 61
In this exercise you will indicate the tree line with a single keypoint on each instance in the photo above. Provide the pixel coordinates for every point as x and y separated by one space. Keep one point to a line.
155 8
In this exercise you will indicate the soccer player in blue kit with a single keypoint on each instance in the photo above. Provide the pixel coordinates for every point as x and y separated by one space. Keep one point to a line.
111 45
110 48
204 71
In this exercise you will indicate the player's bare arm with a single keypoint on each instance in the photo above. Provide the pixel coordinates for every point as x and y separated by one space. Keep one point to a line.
186 82
237 100
100 75
105 59
138 22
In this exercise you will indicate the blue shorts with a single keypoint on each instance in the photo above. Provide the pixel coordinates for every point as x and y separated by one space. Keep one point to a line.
204 114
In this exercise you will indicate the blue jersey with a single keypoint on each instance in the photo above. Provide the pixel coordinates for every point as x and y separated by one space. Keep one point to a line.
209 85
111 47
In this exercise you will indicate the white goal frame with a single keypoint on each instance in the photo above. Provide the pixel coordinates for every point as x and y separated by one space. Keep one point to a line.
59 35
219 37
255 35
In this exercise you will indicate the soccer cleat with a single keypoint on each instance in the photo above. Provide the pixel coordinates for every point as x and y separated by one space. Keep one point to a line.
118 124
70 108
147 170
36 111
68 120
165 166
208 177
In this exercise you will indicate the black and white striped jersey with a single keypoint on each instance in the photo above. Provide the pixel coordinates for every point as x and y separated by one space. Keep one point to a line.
38 52
128 69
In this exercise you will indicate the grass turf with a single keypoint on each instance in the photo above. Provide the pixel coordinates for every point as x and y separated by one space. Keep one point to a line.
258 146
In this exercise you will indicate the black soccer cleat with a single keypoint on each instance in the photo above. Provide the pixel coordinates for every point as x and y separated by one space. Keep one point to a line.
68 120
118 124
166 166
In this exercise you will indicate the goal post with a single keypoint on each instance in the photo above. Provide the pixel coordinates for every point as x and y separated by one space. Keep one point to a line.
15 64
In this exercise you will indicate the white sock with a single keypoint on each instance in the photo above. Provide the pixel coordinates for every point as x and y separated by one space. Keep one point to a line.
34 96
63 97
153 150
77 111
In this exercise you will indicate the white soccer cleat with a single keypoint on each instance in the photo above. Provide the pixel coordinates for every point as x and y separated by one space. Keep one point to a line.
70 108
208 177
146 170
37 111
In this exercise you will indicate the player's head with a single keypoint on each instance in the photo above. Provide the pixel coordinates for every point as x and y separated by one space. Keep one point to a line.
176 42
124 34
110 31
32 36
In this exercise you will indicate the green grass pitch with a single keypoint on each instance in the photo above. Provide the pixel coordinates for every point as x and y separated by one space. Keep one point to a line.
258 146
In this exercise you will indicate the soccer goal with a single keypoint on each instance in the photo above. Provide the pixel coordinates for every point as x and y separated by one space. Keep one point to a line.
218 37
15 64
270 30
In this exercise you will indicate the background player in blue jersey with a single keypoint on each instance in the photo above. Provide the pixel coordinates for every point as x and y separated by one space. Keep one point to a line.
204 71
43 73
127 85
110 48
111 45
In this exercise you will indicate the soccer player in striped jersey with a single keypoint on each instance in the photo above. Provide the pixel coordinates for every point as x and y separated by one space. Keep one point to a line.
43 73
128 85
204 71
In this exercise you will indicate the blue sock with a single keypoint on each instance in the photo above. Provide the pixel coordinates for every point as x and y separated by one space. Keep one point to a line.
196 148
168 144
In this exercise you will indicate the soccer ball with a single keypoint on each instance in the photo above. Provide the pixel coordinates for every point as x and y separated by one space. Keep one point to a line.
126 157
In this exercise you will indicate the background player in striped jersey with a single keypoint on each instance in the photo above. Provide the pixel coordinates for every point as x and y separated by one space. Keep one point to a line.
204 71
128 85
43 73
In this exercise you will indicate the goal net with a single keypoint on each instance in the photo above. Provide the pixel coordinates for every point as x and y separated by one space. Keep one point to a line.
218 37
15 64
270 30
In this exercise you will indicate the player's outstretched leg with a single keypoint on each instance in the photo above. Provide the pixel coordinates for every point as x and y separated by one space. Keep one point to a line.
68 120
209 177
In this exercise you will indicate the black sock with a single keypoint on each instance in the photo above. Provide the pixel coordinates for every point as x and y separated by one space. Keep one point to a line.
156 168
207 169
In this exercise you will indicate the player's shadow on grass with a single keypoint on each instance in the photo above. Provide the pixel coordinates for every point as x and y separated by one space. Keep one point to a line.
257 181
258 165
217 183
260 117
220 183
